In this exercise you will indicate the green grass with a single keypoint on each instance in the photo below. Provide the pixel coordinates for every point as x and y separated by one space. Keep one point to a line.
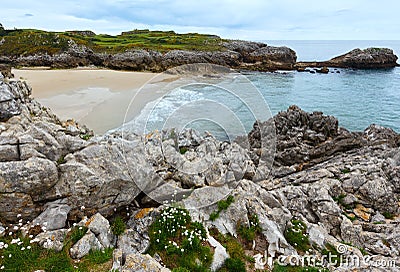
340 200
180 269
238 258
61 160
25 256
76 234
388 215
351 218
31 41
222 205
118 226
249 232
99 256
85 137
234 265
345 171
180 242
296 235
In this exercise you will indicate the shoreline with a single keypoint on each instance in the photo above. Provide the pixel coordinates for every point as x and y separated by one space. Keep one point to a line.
43 80
98 98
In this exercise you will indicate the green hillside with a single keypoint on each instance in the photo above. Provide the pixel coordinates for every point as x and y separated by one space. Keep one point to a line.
31 41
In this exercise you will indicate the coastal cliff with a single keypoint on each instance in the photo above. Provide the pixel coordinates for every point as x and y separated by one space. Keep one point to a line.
331 185
258 56
156 51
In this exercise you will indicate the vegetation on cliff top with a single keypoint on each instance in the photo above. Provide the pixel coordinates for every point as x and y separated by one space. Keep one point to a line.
19 42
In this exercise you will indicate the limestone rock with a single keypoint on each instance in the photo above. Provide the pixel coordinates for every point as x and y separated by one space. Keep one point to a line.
84 245
136 238
101 228
367 58
220 254
52 239
54 216
136 262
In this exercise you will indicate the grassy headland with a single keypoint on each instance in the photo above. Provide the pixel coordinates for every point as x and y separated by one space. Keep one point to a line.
19 42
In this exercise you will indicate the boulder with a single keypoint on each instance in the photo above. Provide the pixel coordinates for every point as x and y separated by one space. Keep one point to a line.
52 239
54 216
323 70
101 228
84 245
136 262
5 71
220 254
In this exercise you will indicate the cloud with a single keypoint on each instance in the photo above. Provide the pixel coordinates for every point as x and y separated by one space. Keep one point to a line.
254 19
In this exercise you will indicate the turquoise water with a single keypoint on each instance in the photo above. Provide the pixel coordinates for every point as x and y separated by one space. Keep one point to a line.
357 98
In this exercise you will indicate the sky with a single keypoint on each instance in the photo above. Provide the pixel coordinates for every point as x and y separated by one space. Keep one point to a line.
233 19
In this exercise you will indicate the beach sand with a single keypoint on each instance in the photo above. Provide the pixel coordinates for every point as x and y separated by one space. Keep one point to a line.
95 97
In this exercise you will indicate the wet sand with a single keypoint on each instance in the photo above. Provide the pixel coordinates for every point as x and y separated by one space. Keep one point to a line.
95 97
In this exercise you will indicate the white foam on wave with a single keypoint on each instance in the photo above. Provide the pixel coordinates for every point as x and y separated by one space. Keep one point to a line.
154 114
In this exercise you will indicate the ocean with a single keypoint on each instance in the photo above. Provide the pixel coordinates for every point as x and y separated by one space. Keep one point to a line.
357 98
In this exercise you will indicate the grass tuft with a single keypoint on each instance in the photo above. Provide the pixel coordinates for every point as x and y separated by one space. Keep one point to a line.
222 205
118 226
296 235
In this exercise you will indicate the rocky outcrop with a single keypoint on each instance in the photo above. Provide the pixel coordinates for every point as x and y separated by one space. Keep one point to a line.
366 59
235 54
43 159
305 139
5 71
268 57
370 58
343 186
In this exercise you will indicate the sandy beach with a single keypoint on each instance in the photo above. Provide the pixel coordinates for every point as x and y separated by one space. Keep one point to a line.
95 97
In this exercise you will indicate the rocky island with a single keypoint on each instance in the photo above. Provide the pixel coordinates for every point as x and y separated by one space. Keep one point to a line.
370 58
328 191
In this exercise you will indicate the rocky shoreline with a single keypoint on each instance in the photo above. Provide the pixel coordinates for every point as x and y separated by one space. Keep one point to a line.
235 54
343 186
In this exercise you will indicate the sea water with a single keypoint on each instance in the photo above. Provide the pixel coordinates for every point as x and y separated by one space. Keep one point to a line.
357 98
